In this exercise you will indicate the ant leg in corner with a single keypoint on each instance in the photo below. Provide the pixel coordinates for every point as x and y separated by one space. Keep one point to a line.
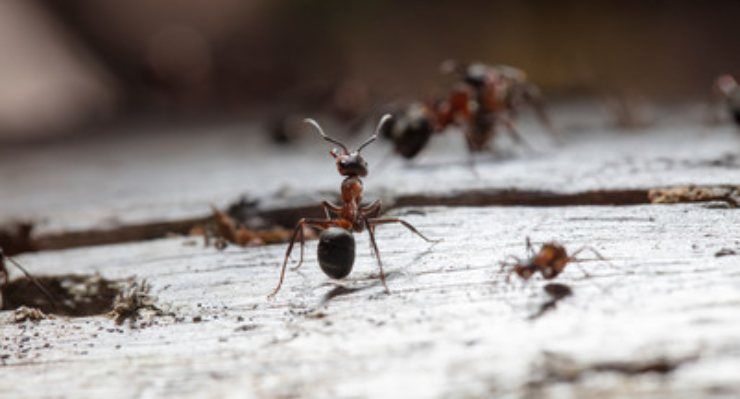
298 229
375 222
573 258
376 251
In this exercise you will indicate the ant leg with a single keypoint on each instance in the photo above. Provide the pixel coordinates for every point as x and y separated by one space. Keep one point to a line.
330 208
372 210
303 244
517 261
298 228
471 154
375 222
504 264
573 258
376 251
587 248
514 132
533 96
530 248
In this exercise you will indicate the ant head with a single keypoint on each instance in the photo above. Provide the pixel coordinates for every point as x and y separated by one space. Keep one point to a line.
350 163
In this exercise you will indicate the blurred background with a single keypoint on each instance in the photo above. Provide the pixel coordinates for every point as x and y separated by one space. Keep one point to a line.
68 66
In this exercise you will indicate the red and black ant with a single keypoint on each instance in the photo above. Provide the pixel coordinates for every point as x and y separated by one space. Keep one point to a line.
485 96
336 248
549 261
5 279
726 90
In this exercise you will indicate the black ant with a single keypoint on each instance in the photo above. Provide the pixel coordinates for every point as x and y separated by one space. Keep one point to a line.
5 279
336 248
549 261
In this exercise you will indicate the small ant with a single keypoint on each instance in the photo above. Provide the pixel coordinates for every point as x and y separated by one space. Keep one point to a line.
336 248
727 90
484 97
5 279
549 261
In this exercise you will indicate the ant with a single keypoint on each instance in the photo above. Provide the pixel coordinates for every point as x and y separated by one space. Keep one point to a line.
336 248
5 279
484 97
549 261
727 90
498 92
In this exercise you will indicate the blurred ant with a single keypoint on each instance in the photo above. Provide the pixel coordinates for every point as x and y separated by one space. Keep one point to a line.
498 93
727 90
549 261
484 97
336 248
5 279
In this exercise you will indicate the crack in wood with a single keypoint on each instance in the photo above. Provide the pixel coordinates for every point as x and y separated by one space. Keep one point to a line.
19 237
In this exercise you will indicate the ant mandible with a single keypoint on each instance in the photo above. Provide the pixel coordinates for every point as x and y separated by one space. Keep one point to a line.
549 261
336 248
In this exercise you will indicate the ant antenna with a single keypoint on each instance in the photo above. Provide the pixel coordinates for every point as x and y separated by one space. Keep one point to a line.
383 120
324 136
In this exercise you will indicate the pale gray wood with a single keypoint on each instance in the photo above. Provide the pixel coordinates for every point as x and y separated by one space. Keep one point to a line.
143 183
451 327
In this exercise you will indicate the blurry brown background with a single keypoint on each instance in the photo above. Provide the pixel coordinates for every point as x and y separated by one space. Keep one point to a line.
67 65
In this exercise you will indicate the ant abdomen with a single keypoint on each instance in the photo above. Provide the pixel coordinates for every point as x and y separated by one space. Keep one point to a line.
410 130
336 252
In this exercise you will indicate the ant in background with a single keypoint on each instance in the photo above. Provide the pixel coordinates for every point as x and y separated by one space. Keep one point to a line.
549 261
484 97
726 90
5 279
336 248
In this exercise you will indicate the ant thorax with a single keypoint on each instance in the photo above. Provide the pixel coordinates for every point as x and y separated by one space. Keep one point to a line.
351 197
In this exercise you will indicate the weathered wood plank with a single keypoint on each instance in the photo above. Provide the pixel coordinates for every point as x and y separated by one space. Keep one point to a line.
451 328
135 186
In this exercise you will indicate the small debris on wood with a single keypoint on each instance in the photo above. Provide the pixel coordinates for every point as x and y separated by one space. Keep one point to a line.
25 313
556 367
725 252
76 295
225 230
675 195
133 302
246 327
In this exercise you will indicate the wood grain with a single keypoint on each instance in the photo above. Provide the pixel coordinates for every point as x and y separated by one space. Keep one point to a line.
145 183
658 320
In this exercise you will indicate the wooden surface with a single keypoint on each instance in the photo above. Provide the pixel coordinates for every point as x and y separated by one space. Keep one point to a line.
451 327
141 185
659 319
